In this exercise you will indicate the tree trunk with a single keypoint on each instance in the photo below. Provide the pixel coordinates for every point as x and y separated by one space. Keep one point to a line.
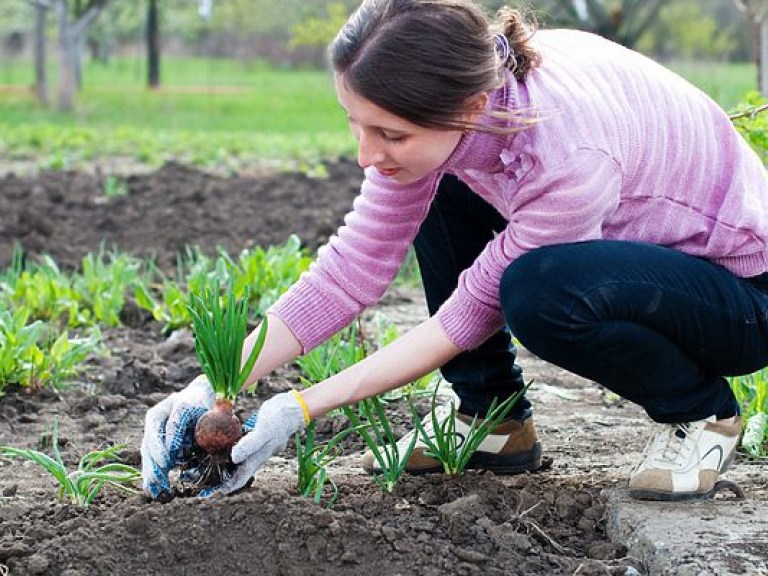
153 45
41 73
757 16
71 35
78 54
67 85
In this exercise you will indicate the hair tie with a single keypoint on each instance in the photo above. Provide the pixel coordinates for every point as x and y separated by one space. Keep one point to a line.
502 47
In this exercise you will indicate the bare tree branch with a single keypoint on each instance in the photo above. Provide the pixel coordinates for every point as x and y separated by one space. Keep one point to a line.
756 10
91 12
751 113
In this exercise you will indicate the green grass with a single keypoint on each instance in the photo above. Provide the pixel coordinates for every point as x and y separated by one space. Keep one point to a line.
209 112
196 95
213 112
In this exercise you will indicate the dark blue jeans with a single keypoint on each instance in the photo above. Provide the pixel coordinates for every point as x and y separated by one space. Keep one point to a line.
456 230
652 324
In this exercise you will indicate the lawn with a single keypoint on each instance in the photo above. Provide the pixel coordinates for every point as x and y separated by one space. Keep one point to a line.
207 112
215 112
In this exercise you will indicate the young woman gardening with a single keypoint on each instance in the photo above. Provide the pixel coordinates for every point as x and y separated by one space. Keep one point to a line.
557 187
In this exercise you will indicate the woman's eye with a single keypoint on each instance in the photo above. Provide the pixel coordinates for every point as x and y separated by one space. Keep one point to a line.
393 137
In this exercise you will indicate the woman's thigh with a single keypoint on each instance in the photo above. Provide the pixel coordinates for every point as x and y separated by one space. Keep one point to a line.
716 318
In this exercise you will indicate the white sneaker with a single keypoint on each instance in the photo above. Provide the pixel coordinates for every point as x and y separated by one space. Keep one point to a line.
511 448
683 461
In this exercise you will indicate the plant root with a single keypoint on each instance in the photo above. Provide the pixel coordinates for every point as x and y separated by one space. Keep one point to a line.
214 469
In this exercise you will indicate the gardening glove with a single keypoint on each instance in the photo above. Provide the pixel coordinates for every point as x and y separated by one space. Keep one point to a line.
276 421
169 429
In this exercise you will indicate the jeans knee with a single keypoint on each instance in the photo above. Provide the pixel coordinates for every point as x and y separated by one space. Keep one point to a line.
527 290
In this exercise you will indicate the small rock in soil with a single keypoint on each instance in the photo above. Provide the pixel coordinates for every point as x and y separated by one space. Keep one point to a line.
37 564
471 504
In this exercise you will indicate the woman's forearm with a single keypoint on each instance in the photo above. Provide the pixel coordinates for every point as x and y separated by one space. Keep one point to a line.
417 352
280 347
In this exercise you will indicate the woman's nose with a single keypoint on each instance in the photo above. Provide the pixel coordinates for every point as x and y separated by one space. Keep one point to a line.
369 153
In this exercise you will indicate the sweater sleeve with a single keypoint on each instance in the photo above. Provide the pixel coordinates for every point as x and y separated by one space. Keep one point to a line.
552 205
353 270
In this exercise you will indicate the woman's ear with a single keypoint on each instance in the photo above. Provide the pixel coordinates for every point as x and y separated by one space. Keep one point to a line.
474 106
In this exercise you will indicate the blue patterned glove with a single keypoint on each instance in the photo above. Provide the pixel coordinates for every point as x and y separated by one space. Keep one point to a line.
277 420
169 433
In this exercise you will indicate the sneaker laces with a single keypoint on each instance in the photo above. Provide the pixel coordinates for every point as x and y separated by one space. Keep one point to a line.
673 445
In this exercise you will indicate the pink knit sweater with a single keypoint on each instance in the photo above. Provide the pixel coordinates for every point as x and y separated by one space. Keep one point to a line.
624 149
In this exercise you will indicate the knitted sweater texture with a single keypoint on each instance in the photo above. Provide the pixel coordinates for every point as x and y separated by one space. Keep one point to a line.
622 149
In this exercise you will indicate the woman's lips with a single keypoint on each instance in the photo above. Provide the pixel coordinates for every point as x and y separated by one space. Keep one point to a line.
388 171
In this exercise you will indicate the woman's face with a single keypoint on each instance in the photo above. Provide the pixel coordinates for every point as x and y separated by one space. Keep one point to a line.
397 148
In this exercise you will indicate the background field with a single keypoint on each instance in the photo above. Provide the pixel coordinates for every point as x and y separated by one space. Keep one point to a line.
217 113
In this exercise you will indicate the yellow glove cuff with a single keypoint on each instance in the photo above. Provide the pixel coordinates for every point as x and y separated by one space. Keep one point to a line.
303 404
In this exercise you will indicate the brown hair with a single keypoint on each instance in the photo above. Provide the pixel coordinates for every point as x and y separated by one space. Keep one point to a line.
422 59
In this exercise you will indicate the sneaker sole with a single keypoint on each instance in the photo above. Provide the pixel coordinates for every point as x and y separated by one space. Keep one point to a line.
663 496
529 461
670 496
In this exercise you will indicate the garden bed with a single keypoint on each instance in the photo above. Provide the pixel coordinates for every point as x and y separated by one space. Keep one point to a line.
550 522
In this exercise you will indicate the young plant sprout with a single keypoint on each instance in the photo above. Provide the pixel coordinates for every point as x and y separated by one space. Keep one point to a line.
313 460
84 484
220 331
751 392
753 439
443 442
378 436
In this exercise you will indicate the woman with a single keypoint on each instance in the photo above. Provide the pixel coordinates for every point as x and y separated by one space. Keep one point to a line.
557 187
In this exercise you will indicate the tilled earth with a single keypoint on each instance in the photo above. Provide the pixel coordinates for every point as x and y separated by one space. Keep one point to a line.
549 522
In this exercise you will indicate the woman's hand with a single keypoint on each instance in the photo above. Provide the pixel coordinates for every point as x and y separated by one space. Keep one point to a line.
169 433
276 421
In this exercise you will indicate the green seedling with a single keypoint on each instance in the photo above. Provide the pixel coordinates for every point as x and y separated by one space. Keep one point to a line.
55 363
30 358
313 460
220 332
337 353
101 286
260 276
10 275
46 292
166 299
96 470
755 431
114 187
386 332
444 444
751 392
94 296
371 422
267 273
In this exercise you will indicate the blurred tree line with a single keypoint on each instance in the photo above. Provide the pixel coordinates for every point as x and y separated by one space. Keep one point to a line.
264 29
292 33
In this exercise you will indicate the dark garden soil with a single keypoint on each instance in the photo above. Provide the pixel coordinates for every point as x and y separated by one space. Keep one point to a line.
549 522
